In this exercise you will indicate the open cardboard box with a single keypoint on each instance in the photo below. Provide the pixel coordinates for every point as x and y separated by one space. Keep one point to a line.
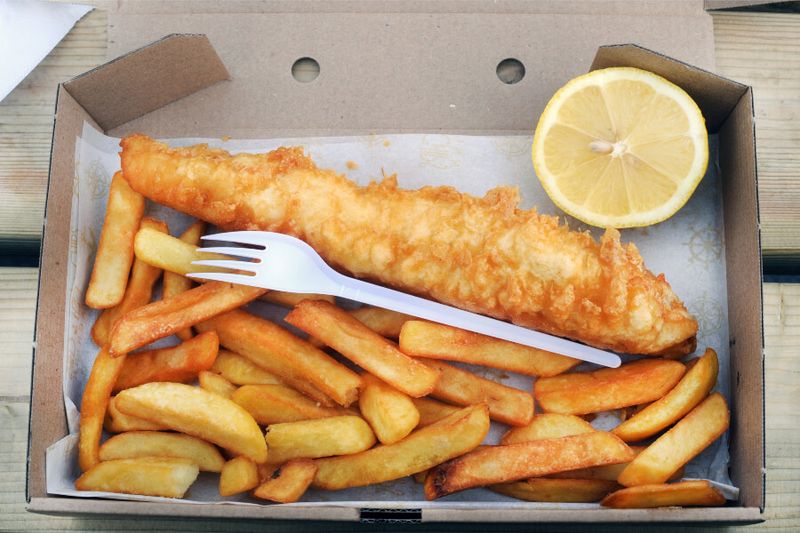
376 78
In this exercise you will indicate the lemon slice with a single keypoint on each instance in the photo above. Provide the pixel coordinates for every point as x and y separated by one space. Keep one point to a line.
620 147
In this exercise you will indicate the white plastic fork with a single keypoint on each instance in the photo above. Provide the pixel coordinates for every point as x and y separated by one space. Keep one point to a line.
285 263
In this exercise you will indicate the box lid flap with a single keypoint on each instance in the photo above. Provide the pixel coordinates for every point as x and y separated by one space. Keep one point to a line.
730 4
147 78
374 78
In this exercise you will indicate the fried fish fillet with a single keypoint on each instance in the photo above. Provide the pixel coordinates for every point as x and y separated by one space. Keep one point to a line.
480 254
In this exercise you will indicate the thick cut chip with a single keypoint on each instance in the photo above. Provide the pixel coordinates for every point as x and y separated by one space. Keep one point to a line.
391 413
379 356
138 293
501 464
118 422
181 363
431 411
462 387
161 319
684 493
172 254
196 412
240 370
292 359
547 426
94 404
175 284
693 434
384 322
427 447
240 474
274 404
114 257
608 388
437 341
323 437
690 391
148 476
217 384
288 482
159 444
542 489
290 299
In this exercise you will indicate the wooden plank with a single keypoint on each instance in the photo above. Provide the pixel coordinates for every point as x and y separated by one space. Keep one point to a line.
763 50
18 298
782 335
26 126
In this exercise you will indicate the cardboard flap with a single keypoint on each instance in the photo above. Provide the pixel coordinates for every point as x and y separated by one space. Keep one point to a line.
716 96
148 78
732 4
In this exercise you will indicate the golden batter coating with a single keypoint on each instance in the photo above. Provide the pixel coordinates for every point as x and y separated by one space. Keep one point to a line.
480 254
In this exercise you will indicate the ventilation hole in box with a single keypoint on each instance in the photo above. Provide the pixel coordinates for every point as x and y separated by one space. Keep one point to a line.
510 71
305 69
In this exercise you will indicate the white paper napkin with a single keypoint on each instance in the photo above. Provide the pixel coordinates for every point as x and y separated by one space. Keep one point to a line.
29 29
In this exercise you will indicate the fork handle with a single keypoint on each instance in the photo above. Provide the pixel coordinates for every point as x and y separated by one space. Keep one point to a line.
368 293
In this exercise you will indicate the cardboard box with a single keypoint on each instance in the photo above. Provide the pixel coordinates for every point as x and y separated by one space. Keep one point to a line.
395 67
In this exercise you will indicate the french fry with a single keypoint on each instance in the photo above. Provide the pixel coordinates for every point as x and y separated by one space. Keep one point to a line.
608 388
437 341
240 474
384 322
241 371
288 482
179 363
606 472
609 472
161 319
149 476
391 413
175 284
547 426
118 422
290 299
461 387
159 444
501 464
274 404
322 437
114 256
292 359
196 412
217 384
431 411
419 477
172 254
450 437
542 489
94 403
138 292
684 493
693 434
690 391
341 331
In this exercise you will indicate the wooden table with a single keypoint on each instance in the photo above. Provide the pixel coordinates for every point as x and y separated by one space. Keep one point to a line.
761 49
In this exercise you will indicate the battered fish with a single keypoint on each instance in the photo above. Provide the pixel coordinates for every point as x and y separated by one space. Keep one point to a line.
480 254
